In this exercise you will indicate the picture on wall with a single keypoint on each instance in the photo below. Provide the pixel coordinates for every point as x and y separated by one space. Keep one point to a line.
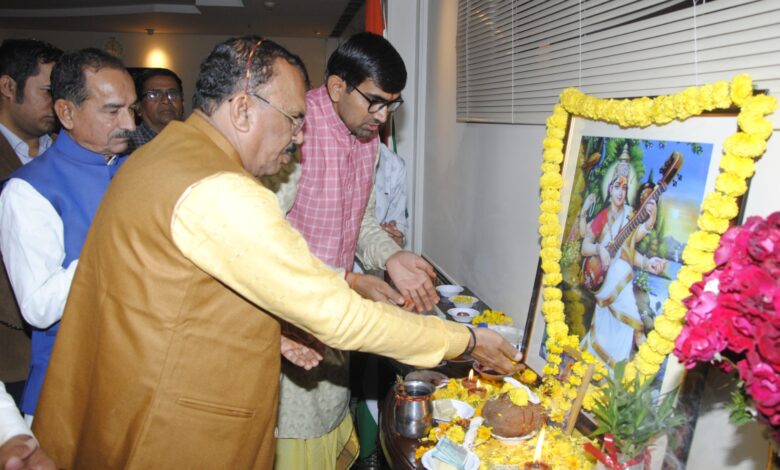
630 199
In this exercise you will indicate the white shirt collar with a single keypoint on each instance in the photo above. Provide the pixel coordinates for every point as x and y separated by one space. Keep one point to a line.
21 148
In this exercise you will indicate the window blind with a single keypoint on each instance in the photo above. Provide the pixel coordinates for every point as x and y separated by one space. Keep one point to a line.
515 57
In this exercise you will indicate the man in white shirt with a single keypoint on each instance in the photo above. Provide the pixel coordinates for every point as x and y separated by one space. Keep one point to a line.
47 206
18 448
390 193
26 120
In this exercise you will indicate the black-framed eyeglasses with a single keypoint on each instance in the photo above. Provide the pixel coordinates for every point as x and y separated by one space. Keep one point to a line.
376 104
156 95
295 122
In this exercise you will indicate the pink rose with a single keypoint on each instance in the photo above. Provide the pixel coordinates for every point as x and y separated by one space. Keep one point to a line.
771 413
732 300
698 344
728 278
774 220
754 308
727 244
762 382
761 244
762 248
769 344
772 265
776 301
740 334
700 305
756 281
752 224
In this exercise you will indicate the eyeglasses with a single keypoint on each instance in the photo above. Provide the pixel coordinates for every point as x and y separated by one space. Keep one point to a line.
376 104
295 122
156 95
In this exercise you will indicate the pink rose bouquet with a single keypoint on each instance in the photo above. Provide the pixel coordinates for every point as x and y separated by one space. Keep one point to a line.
733 315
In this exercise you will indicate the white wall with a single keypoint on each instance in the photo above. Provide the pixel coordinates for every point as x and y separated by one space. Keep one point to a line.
185 51
480 189
408 20
478 208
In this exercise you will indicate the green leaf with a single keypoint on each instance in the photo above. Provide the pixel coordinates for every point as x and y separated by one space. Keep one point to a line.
632 414
739 409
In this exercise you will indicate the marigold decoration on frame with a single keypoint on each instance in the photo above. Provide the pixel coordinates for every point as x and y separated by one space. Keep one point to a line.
719 207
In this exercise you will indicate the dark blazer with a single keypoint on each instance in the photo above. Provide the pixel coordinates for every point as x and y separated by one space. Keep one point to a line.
14 341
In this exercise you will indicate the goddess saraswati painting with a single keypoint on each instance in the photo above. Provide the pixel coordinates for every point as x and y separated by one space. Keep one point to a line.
633 205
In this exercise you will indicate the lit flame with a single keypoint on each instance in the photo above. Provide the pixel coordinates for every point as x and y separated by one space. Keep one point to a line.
539 444
479 384
471 375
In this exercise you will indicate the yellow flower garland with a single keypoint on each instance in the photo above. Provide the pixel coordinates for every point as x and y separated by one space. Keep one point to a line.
718 208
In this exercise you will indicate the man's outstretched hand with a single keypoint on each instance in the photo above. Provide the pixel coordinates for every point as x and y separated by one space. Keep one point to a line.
373 288
413 276
496 353
301 348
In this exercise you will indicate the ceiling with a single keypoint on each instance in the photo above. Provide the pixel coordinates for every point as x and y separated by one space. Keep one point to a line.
279 18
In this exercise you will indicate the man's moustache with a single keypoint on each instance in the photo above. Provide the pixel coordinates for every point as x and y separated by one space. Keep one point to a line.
123 134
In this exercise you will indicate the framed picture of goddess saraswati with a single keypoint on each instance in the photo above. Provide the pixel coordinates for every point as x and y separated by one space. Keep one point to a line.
631 198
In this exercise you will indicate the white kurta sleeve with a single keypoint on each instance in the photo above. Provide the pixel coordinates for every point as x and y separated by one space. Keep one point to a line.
11 422
390 189
33 246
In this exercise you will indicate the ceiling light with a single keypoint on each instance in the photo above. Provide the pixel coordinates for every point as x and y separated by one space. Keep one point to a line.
270 5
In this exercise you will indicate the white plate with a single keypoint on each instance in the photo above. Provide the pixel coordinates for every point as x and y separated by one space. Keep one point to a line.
472 461
468 314
462 409
514 440
470 303
449 290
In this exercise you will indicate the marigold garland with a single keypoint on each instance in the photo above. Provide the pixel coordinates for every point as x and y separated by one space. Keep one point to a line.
718 209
